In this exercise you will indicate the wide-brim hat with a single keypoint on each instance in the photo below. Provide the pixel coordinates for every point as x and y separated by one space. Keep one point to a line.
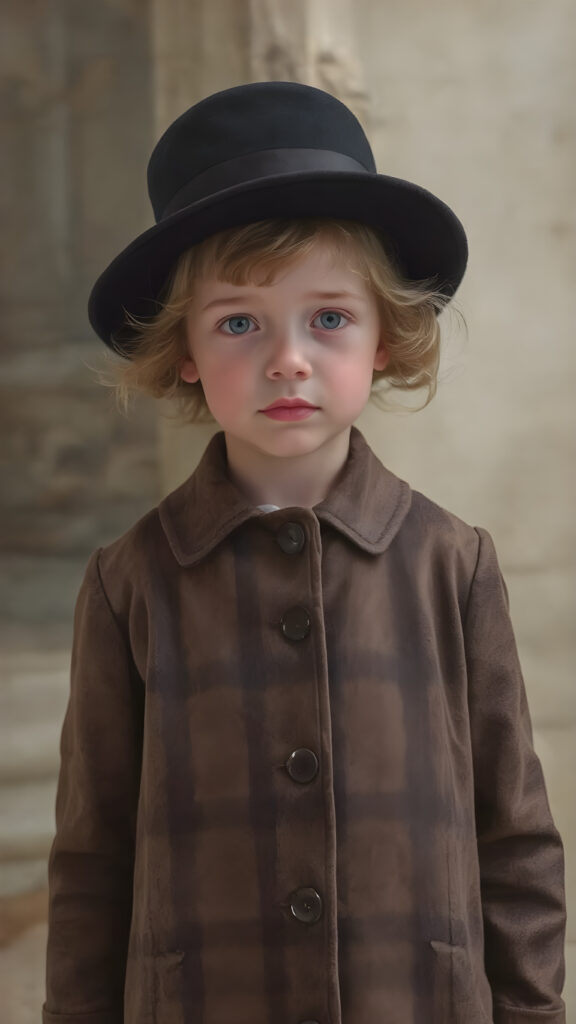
264 151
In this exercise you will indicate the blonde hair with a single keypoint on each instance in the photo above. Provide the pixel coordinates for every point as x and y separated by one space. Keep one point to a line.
255 254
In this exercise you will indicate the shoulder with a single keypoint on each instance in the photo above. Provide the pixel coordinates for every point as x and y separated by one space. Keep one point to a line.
443 545
127 567
134 547
436 525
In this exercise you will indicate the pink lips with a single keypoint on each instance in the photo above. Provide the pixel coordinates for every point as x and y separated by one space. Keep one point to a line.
289 409
298 412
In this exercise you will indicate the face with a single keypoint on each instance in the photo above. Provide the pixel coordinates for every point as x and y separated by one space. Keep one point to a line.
313 334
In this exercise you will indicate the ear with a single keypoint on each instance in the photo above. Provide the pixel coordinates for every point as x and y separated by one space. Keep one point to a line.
188 371
381 357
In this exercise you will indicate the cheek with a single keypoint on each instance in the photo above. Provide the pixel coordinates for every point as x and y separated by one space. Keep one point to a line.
225 382
351 378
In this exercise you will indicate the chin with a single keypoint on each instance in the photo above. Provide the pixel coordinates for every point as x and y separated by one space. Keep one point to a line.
294 447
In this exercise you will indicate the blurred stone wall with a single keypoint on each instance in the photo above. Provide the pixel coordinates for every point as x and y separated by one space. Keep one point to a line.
75 109
76 124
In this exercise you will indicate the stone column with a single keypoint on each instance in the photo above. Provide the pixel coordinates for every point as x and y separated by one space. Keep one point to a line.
75 118
312 41
74 474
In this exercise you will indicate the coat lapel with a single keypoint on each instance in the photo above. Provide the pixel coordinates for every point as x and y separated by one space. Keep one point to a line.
367 504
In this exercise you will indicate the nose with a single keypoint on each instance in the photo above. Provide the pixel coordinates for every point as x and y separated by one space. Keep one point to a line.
289 356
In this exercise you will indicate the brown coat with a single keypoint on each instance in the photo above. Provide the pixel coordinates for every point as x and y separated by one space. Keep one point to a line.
301 739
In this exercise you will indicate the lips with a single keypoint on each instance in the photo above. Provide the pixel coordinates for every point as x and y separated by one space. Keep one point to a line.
290 403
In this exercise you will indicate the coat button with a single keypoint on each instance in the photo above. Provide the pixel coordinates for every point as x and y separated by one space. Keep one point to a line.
296 623
291 538
306 905
302 765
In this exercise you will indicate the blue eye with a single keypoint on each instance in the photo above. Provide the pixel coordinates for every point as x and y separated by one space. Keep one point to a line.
237 324
329 320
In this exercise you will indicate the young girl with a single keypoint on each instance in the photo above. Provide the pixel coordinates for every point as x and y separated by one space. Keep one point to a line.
298 783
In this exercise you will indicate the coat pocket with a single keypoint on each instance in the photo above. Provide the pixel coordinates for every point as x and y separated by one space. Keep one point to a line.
457 997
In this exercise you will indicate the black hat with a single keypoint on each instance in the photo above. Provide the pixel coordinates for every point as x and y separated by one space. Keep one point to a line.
270 150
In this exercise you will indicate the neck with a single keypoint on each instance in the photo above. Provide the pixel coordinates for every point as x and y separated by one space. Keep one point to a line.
289 481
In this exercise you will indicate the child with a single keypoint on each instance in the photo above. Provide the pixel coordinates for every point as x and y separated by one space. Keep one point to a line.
298 783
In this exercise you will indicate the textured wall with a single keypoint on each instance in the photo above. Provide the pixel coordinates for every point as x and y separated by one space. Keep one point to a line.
76 126
75 117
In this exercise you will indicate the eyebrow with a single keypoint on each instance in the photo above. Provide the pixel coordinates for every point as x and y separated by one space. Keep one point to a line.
235 300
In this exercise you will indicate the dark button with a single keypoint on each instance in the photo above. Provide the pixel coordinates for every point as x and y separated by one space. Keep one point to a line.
296 623
291 538
302 765
306 905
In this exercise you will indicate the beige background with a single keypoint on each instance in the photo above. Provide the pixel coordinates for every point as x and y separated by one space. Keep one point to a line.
473 101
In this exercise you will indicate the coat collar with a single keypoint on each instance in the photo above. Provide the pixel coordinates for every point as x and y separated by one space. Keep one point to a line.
367 505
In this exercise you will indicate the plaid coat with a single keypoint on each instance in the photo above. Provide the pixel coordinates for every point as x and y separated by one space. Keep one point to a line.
298 781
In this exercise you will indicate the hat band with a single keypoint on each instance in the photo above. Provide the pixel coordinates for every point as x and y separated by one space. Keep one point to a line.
253 166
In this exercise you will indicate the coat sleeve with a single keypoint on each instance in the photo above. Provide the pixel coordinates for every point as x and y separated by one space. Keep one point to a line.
91 862
520 852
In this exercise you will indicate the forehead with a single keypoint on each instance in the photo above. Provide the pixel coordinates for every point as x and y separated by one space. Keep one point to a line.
325 266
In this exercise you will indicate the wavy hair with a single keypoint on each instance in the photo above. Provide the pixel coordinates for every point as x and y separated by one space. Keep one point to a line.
254 254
